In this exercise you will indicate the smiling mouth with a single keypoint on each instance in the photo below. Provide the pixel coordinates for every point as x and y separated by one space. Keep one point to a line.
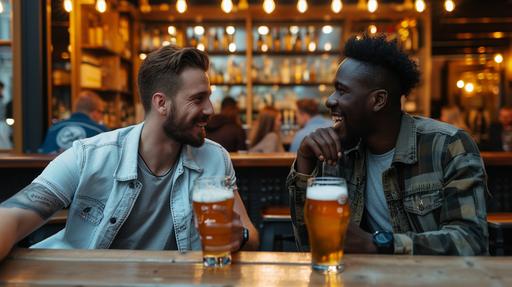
337 121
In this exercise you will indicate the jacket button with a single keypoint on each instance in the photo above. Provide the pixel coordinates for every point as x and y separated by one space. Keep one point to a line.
113 220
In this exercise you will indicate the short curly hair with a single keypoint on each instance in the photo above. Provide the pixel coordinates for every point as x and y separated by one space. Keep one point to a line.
376 50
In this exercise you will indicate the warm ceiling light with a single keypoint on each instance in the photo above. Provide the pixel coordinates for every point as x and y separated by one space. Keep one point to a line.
327 46
420 5
68 5
230 30
263 30
327 29
449 5
372 28
232 47
336 6
469 87
460 84
302 6
171 30
372 5
101 6
226 6
181 6
1 7
498 58
269 6
199 30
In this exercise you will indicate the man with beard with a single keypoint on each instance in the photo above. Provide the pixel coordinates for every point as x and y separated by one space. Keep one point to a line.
416 185
131 188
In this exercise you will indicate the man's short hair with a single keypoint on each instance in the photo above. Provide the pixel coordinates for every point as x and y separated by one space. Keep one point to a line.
308 106
379 52
161 69
228 102
2 84
88 102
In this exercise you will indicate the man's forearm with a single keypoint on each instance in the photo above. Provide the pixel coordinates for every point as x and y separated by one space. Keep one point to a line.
8 229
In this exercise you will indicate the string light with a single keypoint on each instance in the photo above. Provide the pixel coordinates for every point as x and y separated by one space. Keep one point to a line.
269 6
449 5
230 30
311 46
336 6
372 5
373 29
181 6
232 47
226 6
460 84
419 5
199 30
200 46
171 30
498 58
68 5
469 87
263 30
327 46
327 29
101 6
302 6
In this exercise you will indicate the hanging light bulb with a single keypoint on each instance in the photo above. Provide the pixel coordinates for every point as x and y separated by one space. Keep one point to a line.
230 30
302 6
101 6
226 6
243 5
449 5
181 6
68 5
1 7
420 5
372 5
336 6
269 6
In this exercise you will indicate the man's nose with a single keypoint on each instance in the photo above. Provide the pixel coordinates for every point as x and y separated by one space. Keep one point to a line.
208 109
331 101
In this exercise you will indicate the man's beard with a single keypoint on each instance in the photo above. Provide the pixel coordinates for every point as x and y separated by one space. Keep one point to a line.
180 134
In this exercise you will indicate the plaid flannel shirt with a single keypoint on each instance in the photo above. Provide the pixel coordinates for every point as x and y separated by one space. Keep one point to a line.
435 190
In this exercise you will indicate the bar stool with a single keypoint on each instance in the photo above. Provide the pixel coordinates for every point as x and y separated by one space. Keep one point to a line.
499 222
277 228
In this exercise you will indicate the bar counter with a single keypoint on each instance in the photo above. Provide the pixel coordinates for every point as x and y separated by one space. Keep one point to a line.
150 268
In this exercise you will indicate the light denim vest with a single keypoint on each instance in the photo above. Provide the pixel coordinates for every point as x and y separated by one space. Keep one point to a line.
97 180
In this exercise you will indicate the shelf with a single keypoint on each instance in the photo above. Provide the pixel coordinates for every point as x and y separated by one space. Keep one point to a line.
296 53
228 84
210 53
100 50
108 91
291 84
5 42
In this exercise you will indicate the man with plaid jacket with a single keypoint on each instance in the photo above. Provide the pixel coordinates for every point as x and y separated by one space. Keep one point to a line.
416 185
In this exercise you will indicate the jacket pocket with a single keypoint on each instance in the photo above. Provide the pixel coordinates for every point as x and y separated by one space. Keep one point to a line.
89 209
424 202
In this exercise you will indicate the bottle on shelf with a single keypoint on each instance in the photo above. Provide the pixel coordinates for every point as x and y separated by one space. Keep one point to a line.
298 43
216 43
277 40
288 41
155 39
225 41
259 43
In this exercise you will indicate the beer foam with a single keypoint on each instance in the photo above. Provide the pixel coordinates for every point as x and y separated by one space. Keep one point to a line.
327 192
212 195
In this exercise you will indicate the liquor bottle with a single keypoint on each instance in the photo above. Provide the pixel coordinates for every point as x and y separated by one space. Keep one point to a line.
277 40
193 42
259 43
298 43
225 41
285 71
155 39
216 42
288 41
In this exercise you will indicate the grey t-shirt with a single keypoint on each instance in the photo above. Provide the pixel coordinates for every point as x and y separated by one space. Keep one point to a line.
149 225
375 200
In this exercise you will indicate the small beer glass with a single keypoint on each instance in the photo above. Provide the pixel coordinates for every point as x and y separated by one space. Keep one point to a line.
213 208
327 215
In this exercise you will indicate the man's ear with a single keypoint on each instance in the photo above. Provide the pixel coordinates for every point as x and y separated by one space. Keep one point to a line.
379 99
159 103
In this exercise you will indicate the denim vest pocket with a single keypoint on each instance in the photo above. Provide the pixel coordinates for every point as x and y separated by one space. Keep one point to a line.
89 209
424 202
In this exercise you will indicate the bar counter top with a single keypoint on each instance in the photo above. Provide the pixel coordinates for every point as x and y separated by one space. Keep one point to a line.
44 267
239 159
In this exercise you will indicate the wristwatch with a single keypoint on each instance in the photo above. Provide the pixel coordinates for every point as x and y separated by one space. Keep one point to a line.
245 237
384 241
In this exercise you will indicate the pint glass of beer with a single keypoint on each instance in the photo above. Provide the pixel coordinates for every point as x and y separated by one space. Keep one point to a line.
213 208
327 216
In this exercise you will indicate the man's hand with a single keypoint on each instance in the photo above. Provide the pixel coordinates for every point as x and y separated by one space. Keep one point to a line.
324 144
358 240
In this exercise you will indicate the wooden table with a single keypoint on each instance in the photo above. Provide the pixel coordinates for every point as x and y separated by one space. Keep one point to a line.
149 268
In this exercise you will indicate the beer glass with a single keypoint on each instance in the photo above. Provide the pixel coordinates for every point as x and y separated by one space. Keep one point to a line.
327 215
213 208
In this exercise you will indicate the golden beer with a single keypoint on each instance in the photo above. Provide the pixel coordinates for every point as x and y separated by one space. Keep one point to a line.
327 215
213 209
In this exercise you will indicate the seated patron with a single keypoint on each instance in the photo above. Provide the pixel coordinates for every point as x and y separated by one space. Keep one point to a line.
309 120
131 188
417 184
266 137
83 123
225 128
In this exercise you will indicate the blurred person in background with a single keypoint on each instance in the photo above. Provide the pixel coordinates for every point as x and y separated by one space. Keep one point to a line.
500 133
266 136
453 116
5 129
309 120
83 123
226 128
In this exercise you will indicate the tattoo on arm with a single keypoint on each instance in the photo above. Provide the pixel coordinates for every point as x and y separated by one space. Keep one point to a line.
37 198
